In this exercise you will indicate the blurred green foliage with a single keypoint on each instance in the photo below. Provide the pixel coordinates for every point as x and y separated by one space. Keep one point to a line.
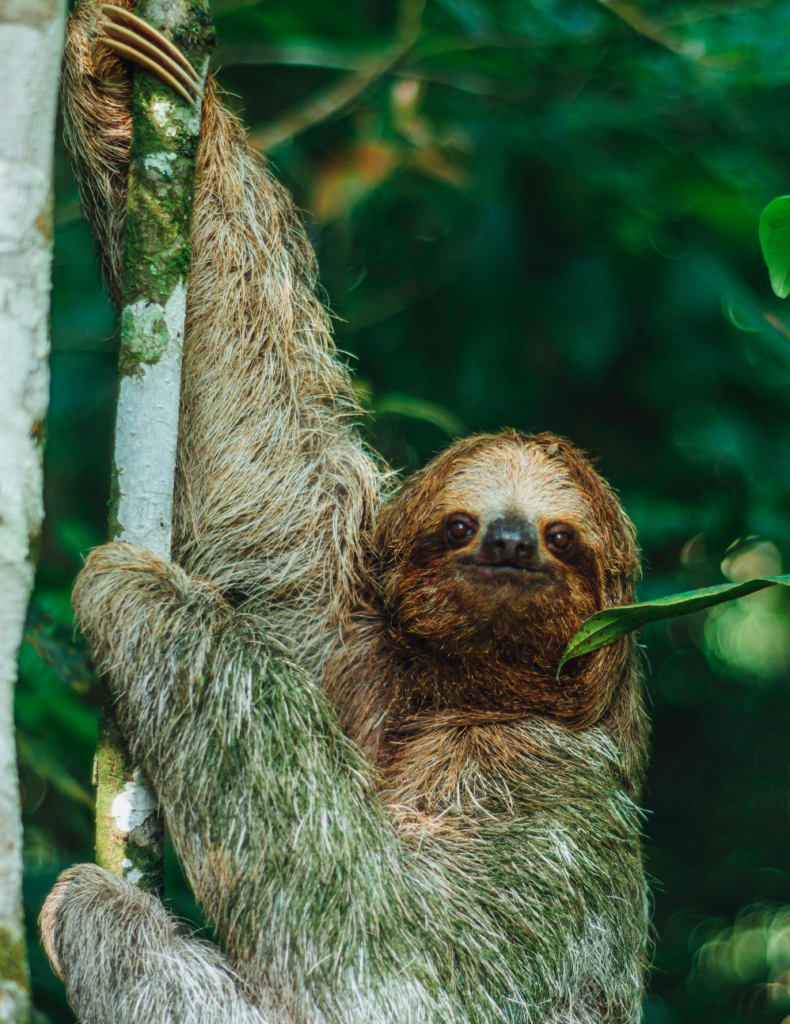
543 214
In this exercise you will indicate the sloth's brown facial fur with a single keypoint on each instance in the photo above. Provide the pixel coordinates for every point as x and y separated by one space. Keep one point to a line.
492 538
492 557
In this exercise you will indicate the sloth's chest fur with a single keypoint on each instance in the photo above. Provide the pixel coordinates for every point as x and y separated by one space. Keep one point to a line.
546 849
526 823
539 863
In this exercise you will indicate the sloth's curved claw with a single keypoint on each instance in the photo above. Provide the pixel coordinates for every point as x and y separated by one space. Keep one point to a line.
135 40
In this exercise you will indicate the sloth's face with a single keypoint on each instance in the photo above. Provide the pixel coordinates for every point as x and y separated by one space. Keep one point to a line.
506 549
509 526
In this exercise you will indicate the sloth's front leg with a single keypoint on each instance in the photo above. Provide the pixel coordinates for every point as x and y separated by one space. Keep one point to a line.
125 959
133 39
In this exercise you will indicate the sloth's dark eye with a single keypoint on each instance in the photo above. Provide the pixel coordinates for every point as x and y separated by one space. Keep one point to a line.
460 530
559 539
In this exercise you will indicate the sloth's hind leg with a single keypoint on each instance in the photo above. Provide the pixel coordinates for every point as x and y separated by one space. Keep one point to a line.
125 959
97 104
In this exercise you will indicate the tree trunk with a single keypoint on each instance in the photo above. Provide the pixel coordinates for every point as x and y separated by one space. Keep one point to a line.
165 134
31 42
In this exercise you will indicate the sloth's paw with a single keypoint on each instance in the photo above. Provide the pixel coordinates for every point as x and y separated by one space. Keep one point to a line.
134 39
115 580
75 888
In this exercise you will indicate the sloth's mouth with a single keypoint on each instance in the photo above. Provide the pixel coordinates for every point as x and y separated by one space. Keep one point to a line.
507 572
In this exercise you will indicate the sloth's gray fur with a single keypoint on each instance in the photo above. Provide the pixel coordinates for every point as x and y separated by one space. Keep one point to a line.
516 896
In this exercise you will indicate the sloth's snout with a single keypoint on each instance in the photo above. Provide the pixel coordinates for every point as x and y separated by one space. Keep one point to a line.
511 541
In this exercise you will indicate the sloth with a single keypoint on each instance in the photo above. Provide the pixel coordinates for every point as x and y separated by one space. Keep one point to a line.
345 690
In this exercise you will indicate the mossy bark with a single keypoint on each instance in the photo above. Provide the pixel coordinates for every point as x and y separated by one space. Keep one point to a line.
165 136
129 827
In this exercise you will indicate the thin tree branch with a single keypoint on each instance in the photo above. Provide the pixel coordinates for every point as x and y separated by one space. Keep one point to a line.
777 324
331 101
634 16
162 160
296 54
710 11
326 103
333 58
316 54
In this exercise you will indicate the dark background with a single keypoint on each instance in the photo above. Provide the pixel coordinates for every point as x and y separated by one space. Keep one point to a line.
541 214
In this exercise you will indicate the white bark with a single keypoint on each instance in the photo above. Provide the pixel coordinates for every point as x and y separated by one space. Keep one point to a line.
146 432
152 332
31 40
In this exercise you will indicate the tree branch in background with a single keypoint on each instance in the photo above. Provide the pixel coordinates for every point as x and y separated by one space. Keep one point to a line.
777 324
31 41
685 15
370 65
350 58
297 54
165 134
60 649
691 49
332 100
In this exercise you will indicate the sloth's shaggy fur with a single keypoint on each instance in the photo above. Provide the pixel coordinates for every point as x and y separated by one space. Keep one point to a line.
383 799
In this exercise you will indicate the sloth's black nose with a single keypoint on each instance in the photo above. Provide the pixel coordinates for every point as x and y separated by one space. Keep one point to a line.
510 541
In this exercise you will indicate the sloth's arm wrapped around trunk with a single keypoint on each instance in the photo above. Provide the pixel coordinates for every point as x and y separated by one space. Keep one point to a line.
275 490
273 813
326 911
140 964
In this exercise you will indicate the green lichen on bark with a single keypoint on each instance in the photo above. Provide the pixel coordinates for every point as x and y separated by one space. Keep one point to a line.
138 853
114 527
113 768
14 976
34 545
162 160
13 960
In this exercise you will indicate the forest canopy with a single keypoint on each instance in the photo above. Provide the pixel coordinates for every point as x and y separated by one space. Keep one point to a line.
540 214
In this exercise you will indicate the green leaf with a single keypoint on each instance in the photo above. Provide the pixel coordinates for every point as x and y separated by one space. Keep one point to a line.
614 623
775 243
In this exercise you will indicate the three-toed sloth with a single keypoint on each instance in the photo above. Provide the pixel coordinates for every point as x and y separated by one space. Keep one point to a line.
345 693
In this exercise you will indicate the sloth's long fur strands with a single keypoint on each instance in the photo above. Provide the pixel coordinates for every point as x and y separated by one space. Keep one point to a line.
274 488
383 799
326 911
